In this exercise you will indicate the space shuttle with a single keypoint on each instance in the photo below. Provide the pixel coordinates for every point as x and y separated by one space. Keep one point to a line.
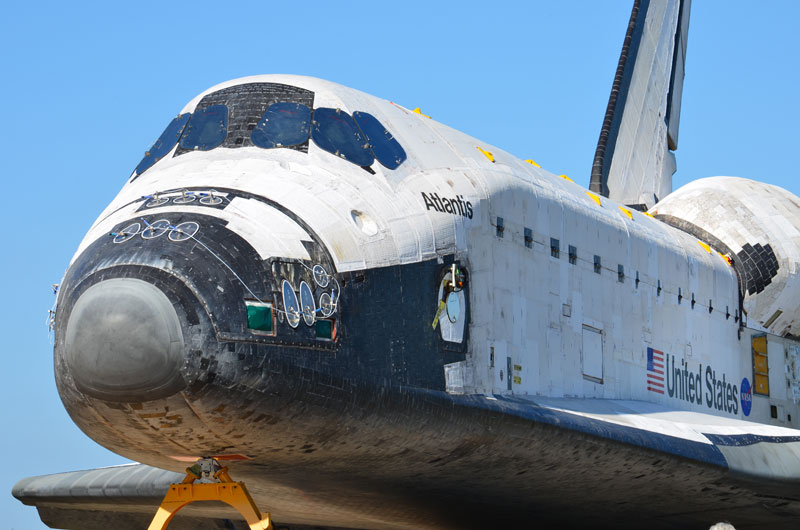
378 322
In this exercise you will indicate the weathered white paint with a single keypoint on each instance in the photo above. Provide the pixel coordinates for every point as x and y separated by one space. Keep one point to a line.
526 306
740 211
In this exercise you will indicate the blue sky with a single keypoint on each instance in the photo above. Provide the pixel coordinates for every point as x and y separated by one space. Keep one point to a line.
87 87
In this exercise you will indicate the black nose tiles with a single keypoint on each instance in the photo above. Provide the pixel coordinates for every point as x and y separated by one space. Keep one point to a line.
760 266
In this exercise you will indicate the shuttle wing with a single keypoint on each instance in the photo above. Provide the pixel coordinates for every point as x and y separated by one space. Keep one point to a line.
122 497
634 160
757 450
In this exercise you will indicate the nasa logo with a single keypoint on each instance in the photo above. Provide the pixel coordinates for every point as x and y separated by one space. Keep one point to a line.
746 396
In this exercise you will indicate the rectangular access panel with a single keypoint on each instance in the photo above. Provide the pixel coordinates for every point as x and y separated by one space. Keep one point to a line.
760 365
592 354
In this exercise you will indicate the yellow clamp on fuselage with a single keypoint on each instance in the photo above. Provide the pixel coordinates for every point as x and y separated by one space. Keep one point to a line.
487 154
595 198
418 111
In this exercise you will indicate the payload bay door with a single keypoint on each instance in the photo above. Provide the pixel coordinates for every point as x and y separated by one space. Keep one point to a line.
592 354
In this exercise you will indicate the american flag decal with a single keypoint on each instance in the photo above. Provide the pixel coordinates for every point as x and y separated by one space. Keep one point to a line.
655 371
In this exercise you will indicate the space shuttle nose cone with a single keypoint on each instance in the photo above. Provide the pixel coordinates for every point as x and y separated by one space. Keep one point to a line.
124 343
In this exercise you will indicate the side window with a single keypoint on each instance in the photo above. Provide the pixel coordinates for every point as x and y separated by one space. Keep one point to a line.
163 145
207 128
386 149
283 125
336 132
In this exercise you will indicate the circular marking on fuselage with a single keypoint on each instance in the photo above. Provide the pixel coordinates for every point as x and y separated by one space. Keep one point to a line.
307 303
326 304
746 396
364 222
156 201
290 304
127 233
184 231
320 276
156 229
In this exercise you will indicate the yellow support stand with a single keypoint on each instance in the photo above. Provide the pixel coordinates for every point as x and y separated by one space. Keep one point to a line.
226 490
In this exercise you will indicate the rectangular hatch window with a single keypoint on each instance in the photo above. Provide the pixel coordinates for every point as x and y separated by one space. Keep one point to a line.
260 317
325 329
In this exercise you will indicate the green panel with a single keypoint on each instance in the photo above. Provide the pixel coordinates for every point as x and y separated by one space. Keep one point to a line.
259 317
324 329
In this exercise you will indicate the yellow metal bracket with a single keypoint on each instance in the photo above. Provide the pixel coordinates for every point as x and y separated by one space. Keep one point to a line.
225 490
419 111
487 154
594 197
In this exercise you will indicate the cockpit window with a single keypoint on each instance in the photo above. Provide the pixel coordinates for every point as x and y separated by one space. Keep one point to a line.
274 115
163 145
384 146
284 124
335 131
206 129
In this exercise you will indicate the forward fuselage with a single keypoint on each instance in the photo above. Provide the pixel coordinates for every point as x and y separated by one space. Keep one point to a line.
176 336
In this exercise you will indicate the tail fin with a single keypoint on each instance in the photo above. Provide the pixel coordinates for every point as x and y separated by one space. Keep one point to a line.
634 160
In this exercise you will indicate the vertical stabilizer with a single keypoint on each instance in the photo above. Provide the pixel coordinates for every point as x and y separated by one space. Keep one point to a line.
634 161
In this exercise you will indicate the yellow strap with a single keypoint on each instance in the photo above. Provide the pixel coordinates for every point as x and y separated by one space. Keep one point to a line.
438 314
531 162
